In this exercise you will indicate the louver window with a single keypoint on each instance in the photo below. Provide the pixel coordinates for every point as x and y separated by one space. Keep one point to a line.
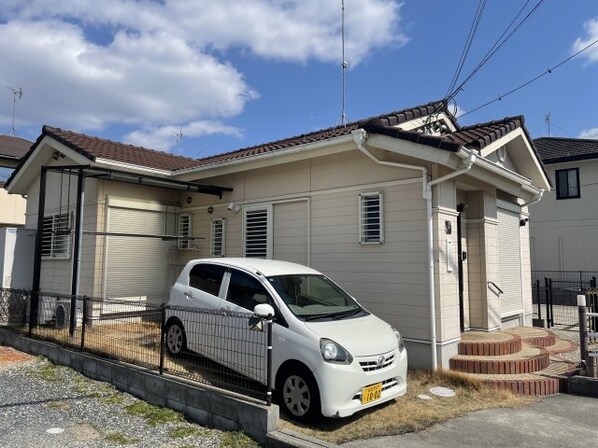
184 231
257 233
371 229
56 236
217 240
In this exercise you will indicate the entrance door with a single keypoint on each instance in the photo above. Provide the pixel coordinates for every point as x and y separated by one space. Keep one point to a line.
461 257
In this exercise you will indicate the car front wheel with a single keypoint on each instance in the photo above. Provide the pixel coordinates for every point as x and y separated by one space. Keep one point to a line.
299 394
176 341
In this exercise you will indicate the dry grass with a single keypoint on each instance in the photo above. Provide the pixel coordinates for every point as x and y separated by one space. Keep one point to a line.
410 413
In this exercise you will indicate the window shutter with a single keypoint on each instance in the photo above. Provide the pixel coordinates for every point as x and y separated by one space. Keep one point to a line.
256 233
217 246
371 230
56 236
47 236
184 231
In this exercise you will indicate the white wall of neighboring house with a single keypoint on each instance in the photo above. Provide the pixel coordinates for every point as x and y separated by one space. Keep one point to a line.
564 232
12 209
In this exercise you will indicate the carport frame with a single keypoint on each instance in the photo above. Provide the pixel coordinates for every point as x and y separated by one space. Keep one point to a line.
83 172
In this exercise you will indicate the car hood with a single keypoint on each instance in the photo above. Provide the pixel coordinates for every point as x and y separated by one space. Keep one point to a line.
361 336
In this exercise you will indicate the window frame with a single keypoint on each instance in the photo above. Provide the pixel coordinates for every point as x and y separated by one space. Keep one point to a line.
184 244
557 183
56 240
362 231
207 266
222 252
269 229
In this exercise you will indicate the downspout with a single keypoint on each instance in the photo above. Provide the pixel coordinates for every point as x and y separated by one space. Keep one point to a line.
360 137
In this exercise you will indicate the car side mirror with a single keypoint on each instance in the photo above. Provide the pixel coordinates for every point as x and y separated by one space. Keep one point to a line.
263 310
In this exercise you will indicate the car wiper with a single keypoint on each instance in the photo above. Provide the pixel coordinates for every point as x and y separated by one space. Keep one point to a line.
333 316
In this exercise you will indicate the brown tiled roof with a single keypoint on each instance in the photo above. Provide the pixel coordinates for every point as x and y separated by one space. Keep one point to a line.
13 147
480 135
390 119
94 147
558 149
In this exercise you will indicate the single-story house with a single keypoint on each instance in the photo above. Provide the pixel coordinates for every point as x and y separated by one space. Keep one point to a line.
564 225
422 220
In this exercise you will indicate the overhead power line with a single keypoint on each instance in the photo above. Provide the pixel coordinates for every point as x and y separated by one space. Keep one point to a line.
535 78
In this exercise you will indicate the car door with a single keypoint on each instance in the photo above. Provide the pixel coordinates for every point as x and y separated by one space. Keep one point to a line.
202 291
242 349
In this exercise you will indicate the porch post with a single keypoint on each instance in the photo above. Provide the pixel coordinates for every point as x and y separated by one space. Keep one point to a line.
76 274
37 258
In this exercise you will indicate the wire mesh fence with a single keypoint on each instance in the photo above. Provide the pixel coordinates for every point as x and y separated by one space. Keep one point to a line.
212 347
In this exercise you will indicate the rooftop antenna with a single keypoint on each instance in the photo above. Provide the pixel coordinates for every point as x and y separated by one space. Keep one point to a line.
178 136
547 118
344 64
15 93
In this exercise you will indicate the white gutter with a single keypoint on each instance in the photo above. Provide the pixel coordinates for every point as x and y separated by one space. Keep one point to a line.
537 198
360 137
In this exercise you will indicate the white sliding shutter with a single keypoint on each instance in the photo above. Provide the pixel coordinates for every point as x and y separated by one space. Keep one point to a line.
509 262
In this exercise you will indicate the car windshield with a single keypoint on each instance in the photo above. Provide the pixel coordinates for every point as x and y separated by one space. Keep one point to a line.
315 298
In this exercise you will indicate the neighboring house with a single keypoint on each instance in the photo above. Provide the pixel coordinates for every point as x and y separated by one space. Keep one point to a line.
564 225
12 208
416 216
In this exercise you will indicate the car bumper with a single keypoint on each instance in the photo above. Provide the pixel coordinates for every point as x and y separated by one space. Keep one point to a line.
341 385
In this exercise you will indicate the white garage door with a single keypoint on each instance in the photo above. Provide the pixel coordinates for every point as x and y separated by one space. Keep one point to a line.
138 267
290 232
509 262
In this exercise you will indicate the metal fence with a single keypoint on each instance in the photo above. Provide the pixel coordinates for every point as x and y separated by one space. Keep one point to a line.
554 295
228 349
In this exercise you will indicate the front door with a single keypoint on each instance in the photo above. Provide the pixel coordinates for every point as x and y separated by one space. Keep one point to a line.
461 257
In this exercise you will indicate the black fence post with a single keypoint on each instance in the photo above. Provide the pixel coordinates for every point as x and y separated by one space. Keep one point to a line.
538 296
84 323
162 336
593 282
269 362
547 295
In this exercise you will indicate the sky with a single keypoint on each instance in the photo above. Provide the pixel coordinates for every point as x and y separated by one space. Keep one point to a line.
204 77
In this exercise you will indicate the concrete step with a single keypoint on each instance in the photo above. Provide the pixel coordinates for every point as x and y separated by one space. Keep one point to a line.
528 359
535 336
477 343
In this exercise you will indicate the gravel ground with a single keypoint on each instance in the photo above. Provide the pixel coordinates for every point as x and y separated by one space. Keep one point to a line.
573 356
43 405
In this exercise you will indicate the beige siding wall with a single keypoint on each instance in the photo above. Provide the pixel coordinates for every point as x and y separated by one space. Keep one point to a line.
526 271
12 209
565 231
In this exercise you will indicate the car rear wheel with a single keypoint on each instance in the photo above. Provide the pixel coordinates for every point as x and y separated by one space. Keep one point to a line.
176 340
299 395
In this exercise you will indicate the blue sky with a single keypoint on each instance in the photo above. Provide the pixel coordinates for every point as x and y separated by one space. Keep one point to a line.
243 72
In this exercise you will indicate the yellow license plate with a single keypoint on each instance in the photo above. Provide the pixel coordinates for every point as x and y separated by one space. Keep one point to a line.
371 393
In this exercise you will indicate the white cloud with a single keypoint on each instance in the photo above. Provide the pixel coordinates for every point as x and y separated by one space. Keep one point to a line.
148 64
589 133
165 137
591 29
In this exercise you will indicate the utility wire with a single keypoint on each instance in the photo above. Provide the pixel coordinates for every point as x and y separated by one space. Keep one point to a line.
467 46
494 49
535 78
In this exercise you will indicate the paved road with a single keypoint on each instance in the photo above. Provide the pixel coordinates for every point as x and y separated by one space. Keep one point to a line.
555 422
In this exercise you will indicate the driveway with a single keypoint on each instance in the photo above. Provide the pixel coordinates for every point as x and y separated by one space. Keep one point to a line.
554 422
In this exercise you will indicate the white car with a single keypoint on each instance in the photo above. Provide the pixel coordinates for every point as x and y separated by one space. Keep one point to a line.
331 356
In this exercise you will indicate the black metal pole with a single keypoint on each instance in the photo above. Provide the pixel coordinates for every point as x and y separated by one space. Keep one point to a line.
538 296
269 362
84 323
162 336
583 331
546 294
75 277
37 258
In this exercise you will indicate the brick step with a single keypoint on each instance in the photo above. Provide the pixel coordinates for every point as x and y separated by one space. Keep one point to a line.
477 343
549 381
528 359
535 336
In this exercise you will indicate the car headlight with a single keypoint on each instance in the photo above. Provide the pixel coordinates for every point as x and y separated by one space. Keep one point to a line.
399 339
335 353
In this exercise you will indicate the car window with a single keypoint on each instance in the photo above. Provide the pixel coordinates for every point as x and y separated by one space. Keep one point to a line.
246 291
206 277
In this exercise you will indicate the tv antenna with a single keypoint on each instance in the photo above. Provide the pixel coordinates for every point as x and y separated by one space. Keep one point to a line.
15 93
178 136
344 64
547 118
